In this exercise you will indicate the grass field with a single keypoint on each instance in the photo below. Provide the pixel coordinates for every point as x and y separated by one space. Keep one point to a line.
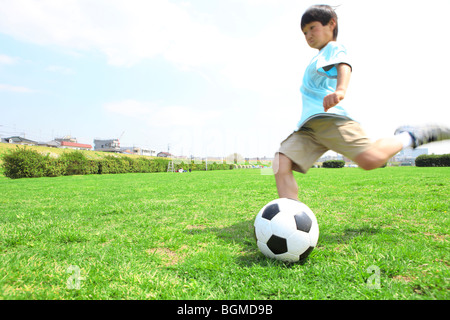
383 235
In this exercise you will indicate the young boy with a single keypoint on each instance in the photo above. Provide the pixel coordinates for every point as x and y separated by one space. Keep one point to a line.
325 124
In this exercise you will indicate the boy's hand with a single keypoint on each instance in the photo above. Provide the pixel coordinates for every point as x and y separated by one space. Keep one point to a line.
333 99
343 78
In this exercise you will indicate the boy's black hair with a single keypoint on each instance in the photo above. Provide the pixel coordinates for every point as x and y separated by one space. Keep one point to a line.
322 13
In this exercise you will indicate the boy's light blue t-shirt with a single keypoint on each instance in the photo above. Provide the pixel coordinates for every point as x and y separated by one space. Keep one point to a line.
319 80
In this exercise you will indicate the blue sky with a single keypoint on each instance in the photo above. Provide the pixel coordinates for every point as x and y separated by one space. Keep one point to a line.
209 78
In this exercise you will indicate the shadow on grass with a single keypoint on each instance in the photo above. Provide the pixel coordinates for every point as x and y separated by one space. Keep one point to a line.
347 234
242 234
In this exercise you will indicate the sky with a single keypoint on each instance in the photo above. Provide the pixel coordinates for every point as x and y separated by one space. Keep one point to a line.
210 77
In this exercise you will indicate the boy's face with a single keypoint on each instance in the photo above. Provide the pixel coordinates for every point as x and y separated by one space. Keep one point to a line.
317 36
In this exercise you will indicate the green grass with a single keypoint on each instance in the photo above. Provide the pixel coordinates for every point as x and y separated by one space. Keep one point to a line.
190 236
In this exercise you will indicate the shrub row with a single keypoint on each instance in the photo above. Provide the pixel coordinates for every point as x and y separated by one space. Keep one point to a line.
28 163
333 164
433 160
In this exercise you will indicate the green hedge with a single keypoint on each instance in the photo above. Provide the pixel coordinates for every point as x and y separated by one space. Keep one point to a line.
27 163
23 163
333 164
432 160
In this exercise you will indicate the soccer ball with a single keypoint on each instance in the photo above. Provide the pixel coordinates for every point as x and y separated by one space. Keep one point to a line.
286 230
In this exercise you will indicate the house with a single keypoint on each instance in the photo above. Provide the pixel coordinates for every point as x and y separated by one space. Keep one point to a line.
141 151
108 145
145 152
52 144
20 140
66 138
66 143
75 145
164 155
407 157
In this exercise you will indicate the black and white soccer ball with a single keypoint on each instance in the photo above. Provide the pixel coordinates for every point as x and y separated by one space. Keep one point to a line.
286 230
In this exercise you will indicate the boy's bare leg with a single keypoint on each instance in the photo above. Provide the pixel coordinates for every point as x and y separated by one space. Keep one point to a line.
380 152
406 136
286 185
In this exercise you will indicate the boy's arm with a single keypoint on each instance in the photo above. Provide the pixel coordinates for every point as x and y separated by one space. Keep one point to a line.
344 71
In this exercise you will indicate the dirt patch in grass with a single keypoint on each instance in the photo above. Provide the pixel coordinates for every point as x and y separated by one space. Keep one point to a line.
402 278
168 257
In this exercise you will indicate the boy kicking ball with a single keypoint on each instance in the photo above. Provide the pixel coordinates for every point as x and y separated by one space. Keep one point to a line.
324 124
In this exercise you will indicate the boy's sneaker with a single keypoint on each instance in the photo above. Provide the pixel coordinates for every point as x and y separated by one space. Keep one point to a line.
425 134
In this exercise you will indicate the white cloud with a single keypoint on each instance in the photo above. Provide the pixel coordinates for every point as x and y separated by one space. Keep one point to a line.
16 89
4 59
155 115
183 116
125 31
61 69
129 108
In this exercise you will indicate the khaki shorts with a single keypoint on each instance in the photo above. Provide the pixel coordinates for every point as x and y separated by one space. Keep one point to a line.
321 134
